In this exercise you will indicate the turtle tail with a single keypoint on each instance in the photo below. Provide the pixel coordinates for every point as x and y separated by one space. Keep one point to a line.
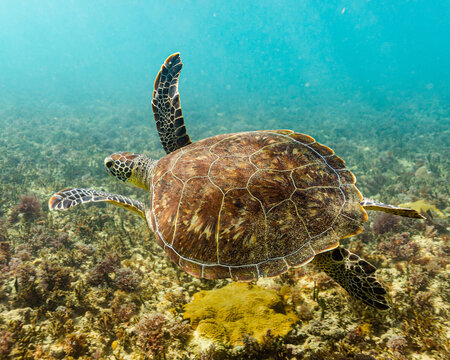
369 204
354 274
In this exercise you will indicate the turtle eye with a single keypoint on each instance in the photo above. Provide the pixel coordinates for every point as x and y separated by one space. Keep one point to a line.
109 163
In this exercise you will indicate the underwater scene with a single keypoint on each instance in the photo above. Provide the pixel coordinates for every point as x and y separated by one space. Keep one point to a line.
173 185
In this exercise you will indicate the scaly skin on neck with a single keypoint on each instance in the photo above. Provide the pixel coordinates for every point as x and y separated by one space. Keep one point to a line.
130 167
143 172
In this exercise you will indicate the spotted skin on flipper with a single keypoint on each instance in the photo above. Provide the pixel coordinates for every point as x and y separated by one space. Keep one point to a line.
166 106
355 275
370 204
70 197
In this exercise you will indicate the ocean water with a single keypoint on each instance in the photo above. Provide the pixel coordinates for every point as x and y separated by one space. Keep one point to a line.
369 79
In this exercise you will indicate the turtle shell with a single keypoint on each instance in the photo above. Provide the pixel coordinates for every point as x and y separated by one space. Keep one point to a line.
252 204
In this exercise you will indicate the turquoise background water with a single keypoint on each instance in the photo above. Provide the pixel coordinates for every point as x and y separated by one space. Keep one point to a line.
236 52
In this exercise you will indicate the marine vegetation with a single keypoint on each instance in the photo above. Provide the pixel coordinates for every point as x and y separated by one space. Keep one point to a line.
425 207
227 314
93 283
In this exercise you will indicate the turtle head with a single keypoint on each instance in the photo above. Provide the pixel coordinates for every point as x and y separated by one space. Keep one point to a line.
130 168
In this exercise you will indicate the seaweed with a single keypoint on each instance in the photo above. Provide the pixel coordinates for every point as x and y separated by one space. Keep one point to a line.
28 208
6 343
384 223
75 345
24 337
155 332
101 272
127 280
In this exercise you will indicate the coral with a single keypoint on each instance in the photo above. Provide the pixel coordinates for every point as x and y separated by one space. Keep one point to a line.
213 330
238 309
29 207
47 304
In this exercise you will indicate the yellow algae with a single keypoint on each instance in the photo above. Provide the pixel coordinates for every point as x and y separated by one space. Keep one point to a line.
225 315
213 330
422 206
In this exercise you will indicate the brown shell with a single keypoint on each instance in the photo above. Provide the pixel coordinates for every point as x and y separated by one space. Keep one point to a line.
252 204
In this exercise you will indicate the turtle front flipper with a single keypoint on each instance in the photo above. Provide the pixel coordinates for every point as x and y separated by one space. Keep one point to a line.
354 274
166 106
70 197
369 204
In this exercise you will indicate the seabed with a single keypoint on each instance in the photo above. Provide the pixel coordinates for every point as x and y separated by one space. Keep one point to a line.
92 283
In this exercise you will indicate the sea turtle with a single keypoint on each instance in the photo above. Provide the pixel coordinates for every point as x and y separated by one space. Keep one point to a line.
244 205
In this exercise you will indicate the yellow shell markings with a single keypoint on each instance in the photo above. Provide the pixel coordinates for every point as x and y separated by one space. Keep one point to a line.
225 315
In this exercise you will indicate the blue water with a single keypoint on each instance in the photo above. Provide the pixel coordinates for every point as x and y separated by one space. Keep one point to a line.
235 52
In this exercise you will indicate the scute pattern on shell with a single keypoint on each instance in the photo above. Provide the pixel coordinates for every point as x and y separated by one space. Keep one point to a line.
252 204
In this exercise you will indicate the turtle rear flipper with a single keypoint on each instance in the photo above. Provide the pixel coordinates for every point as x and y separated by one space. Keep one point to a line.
369 204
71 197
354 274
166 106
